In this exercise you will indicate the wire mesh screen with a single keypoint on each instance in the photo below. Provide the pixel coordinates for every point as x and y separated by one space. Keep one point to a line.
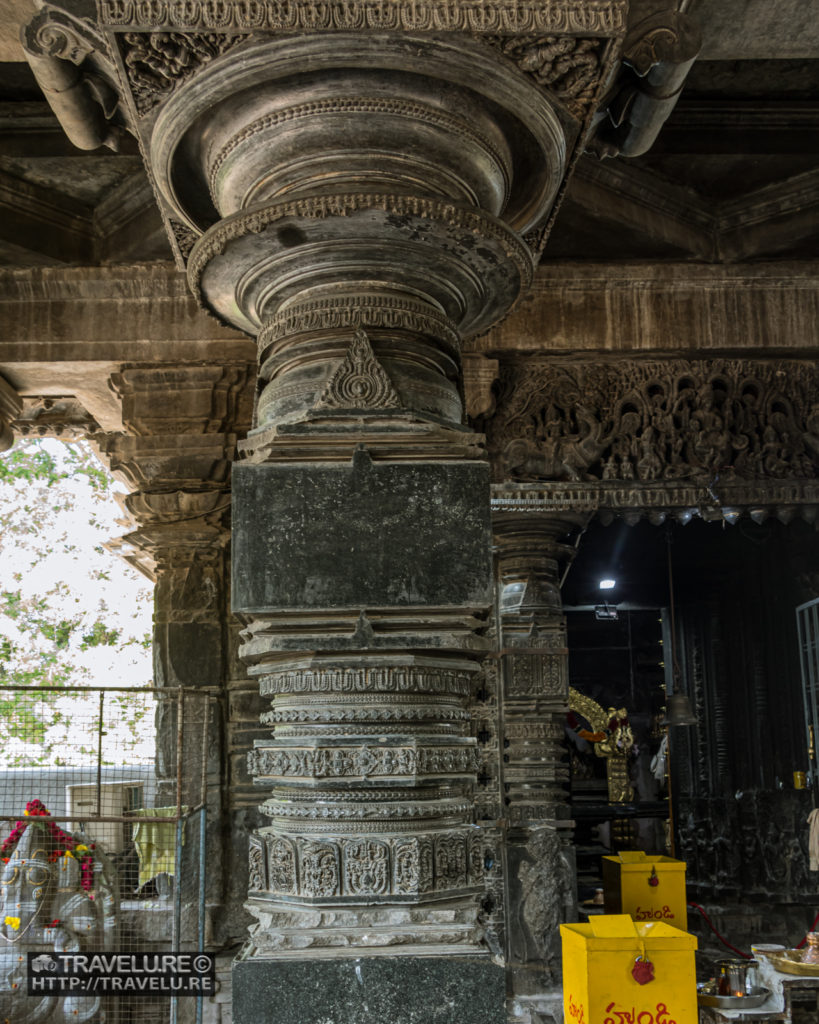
102 809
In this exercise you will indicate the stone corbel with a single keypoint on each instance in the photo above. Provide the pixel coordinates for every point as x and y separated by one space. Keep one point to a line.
480 375
10 406
69 61
657 55
62 416
183 400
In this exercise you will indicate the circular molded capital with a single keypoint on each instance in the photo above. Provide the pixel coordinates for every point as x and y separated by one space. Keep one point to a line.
456 260
442 116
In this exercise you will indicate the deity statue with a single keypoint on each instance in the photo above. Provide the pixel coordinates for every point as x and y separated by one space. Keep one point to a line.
56 896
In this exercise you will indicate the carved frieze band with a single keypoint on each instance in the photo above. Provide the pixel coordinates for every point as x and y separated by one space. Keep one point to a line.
677 421
660 499
480 17
379 679
357 311
319 207
268 763
324 715
357 815
388 867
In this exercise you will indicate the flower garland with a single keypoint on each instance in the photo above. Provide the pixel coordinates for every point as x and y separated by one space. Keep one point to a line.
67 844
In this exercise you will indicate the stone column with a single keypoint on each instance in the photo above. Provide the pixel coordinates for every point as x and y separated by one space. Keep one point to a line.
370 200
177 455
361 185
532 551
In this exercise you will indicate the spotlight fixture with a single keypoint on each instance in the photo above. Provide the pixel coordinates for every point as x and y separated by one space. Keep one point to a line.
607 584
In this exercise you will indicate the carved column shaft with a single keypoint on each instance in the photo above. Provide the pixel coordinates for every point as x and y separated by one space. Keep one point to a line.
177 457
361 186
532 550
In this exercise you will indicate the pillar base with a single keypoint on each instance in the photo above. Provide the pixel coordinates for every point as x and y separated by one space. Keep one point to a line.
368 990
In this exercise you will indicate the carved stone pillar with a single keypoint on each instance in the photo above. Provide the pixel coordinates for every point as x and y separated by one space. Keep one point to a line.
182 423
361 185
359 235
532 552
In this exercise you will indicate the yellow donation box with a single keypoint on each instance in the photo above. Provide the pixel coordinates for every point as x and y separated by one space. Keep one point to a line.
646 887
618 972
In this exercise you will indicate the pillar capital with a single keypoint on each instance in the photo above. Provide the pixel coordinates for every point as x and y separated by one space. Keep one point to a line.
533 551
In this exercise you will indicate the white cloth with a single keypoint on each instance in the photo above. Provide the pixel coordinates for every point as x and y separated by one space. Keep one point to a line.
658 761
813 840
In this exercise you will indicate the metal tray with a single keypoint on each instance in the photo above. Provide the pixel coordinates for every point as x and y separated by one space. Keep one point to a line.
756 997
790 962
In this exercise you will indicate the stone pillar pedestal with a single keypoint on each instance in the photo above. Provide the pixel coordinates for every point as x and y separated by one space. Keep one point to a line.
532 549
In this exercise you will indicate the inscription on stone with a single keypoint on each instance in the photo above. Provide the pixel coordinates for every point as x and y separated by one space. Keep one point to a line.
361 536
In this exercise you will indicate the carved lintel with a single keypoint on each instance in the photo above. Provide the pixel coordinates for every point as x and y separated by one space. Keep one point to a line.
477 17
712 423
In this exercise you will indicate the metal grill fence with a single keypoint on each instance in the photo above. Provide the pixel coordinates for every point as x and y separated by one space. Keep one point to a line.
103 797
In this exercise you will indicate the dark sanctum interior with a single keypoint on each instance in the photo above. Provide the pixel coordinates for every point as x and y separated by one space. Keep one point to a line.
738 821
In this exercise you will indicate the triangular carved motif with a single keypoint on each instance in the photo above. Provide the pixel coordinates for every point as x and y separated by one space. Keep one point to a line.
360 381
